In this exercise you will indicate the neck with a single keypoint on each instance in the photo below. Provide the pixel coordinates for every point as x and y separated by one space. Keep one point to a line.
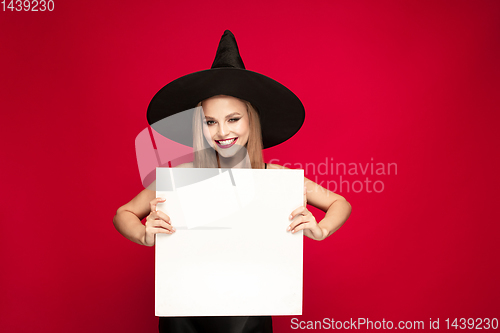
240 160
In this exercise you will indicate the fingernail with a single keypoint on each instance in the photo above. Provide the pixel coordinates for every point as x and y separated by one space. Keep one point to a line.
290 217
288 229
173 229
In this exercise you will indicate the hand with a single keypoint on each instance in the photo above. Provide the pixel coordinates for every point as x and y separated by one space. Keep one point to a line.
157 222
305 221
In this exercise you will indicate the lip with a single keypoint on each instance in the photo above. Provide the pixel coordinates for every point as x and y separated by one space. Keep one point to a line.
226 146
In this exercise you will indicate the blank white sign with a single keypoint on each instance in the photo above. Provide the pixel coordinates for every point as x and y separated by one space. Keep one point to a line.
231 254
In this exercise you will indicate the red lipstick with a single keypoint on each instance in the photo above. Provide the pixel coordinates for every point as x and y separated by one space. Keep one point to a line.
228 145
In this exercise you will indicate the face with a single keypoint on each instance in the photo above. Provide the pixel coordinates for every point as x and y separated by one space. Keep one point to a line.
227 124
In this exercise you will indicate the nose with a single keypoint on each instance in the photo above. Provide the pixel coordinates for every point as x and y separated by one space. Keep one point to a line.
223 130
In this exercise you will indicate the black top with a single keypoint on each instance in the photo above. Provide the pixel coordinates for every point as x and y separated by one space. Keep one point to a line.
255 324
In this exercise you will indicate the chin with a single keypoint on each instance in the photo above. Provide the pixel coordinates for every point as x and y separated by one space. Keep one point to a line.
229 152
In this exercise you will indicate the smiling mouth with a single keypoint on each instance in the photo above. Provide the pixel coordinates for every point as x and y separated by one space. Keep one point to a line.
226 143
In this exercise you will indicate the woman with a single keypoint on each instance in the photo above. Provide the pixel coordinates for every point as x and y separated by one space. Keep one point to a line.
235 116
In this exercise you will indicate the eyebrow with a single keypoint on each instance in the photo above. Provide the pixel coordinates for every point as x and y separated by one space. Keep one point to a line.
228 116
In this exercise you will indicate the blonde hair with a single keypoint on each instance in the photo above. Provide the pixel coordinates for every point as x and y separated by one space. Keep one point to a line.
204 156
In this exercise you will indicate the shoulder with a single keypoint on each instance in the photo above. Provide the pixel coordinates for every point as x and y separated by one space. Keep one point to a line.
185 165
275 166
152 186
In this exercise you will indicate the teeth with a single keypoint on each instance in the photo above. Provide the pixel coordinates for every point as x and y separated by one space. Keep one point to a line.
226 142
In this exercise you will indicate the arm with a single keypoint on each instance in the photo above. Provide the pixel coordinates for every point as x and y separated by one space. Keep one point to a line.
335 206
128 219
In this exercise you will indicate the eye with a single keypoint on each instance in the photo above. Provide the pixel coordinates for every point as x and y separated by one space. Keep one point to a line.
234 119
209 122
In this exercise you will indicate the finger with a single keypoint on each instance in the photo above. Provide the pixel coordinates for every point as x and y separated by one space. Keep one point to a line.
152 216
154 202
163 231
159 224
299 220
163 216
300 210
154 230
301 226
166 227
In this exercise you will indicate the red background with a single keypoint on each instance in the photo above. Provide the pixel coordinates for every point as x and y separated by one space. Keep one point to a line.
412 83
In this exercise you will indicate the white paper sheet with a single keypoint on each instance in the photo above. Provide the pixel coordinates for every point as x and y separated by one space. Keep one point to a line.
231 254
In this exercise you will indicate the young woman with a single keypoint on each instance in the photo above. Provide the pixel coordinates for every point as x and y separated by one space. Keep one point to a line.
235 116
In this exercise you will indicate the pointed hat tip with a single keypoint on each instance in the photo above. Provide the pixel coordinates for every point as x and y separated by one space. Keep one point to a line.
228 54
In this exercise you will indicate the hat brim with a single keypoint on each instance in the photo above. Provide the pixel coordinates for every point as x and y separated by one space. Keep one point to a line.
281 112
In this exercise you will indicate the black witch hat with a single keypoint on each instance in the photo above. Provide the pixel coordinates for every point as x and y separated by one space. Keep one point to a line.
280 111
